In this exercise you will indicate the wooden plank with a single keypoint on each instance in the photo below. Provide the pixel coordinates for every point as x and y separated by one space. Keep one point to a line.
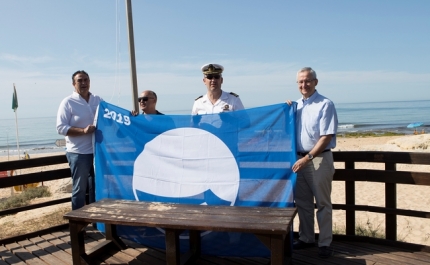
52 249
40 253
383 156
418 258
377 209
349 199
34 206
380 255
178 216
24 255
390 202
35 177
384 176
33 162
9 258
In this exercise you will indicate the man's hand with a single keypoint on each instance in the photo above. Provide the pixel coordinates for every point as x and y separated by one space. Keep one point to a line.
301 163
134 113
89 129
289 102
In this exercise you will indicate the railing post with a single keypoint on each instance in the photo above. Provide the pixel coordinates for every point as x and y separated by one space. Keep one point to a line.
390 202
350 200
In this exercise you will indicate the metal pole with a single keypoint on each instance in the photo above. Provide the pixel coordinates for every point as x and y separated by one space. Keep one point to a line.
132 56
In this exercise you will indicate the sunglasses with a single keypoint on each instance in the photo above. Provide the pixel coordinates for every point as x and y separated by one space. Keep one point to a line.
210 77
143 99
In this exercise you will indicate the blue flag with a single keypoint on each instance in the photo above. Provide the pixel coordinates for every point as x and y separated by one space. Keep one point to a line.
240 158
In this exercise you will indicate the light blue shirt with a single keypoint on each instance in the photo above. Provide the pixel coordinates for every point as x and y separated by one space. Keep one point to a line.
316 117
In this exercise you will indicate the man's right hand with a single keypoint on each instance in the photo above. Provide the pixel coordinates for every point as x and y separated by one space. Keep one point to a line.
289 102
134 113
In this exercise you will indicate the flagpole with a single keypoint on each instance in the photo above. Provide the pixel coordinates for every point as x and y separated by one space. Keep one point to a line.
15 108
132 55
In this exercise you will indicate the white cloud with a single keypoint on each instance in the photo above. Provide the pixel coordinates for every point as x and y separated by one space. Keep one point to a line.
24 60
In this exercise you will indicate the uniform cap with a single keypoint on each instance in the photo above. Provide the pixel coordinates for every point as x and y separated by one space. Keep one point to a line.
212 68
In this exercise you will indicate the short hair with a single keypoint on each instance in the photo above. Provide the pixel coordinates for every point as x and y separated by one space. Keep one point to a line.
307 69
79 72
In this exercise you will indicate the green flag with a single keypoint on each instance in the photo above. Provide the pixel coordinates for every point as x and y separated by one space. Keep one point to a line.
14 99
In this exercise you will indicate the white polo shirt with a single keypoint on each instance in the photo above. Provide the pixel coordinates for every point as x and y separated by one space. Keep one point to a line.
75 111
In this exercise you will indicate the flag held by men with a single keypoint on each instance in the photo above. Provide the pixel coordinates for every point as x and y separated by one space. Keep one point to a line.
240 158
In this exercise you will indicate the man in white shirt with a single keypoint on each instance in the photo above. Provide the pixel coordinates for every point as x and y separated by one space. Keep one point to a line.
215 100
75 120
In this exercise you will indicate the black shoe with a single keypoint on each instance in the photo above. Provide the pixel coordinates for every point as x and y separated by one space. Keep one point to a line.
301 245
325 252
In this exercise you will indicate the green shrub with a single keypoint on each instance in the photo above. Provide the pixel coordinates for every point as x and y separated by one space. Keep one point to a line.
24 198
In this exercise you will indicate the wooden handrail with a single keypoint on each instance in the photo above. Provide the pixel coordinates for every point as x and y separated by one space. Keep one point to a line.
390 176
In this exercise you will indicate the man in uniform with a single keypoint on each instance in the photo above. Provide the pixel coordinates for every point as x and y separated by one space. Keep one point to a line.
215 100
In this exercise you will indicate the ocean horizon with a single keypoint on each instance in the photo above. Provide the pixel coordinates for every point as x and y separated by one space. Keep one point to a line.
39 135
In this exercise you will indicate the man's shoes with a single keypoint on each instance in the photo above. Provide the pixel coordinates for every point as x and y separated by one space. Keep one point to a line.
301 245
325 252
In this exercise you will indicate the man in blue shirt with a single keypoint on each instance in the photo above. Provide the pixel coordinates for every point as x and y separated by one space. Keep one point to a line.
316 124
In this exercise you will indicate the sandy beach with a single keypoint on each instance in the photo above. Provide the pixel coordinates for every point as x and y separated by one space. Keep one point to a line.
413 230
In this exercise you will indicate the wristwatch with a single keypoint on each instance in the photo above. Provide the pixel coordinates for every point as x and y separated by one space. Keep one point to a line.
310 156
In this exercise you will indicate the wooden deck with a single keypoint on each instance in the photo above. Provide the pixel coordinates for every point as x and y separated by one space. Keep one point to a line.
54 248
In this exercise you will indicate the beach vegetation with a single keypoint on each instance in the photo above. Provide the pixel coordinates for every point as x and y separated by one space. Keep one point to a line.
24 198
368 229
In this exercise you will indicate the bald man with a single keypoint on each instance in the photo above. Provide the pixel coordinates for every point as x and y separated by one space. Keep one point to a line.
147 103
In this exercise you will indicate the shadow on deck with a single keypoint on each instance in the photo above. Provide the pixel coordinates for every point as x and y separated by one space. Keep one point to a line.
55 248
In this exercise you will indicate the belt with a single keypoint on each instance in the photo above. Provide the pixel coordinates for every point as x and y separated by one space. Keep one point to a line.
305 153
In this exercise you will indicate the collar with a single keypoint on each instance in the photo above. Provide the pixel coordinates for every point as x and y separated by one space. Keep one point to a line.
311 98
224 96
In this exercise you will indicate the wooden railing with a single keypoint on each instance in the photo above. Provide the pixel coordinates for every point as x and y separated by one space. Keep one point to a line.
24 179
350 175
390 176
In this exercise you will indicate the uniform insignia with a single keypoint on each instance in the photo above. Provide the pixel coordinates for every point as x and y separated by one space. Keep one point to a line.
234 94
199 97
226 107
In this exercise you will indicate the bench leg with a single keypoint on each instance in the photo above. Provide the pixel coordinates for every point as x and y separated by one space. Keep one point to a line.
172 247
77 241
113 236
279 254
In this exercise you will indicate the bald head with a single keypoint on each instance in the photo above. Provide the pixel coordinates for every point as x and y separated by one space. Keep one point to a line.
148 102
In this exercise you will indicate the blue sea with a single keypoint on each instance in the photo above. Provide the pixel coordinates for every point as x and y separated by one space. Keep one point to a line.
38 135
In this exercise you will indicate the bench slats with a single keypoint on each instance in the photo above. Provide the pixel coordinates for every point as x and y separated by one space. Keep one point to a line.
197 217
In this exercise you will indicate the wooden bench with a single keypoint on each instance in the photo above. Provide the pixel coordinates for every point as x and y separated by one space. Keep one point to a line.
271 225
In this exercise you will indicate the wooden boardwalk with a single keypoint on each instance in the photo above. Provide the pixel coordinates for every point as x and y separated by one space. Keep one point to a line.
54 248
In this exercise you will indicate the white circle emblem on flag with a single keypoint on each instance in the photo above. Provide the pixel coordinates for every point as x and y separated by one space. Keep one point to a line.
187 163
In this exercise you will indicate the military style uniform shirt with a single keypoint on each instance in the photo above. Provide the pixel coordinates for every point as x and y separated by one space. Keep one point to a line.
227 102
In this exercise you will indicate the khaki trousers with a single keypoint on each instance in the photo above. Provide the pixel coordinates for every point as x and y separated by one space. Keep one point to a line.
314 181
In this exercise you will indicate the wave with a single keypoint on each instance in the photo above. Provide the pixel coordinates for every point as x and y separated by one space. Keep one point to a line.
346 126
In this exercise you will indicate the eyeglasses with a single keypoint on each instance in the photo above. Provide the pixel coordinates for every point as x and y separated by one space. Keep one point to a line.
210 77
305 81
143 99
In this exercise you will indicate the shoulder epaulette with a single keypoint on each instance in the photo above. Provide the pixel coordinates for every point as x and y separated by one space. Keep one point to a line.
234 94
199 97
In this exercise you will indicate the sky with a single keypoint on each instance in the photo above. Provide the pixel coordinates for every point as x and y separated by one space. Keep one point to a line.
362 51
